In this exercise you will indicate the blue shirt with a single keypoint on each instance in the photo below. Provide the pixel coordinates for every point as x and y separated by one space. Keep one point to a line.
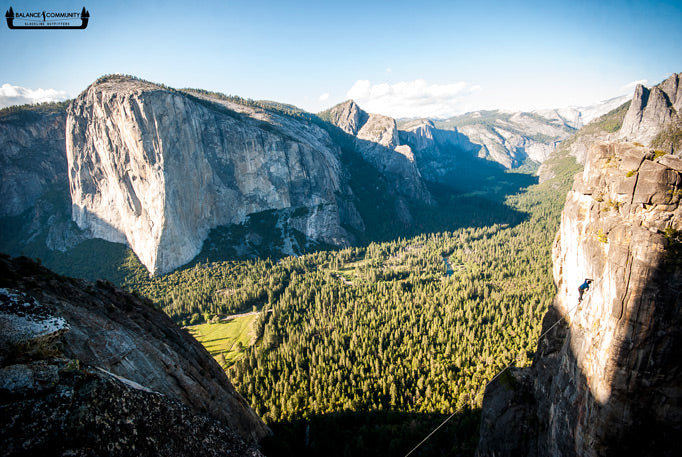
584 286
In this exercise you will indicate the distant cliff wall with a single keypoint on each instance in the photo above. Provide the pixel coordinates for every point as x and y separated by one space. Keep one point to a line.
378 140
157 169
608 379
33 157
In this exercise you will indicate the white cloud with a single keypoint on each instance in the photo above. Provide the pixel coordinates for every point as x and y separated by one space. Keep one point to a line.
415 98
17 95
629 88
324 97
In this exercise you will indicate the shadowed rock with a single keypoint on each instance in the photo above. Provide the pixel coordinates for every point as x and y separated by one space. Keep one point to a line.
80 357
608 379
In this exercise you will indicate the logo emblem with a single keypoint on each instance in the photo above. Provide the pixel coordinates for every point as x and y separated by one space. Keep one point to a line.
47 19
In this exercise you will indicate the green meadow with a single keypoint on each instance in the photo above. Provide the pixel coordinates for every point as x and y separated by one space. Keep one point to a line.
226 341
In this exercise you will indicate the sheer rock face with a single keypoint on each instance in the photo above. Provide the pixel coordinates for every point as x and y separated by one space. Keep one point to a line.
378 141
33 179
608 379
29 138
157 169
78 357
652 111
436 151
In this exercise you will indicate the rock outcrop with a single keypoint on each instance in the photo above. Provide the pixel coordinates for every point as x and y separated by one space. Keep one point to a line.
157 169
655 115
607 379
378 141
87 368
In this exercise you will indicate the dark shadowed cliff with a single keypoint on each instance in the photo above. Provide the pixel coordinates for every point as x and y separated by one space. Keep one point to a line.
607 380
87 369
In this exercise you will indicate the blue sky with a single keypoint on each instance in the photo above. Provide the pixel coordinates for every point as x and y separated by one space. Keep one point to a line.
430 58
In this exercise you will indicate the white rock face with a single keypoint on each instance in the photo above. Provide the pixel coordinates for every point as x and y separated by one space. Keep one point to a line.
157 169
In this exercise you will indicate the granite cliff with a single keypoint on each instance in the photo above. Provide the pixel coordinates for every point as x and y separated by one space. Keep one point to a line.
607 379
650 117
157 169
87 369
655 116
377 139
35 208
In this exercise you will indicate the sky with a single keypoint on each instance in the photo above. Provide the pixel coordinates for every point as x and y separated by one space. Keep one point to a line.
400 58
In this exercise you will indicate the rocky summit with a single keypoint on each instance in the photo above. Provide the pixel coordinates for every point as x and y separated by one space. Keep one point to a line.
378 141
655 116
606 379
87 369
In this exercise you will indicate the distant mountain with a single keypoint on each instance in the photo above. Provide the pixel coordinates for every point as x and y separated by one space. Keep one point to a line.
578 117
377 139
171 173
508 138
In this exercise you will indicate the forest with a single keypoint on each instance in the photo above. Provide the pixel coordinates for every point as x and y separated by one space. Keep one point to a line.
370 347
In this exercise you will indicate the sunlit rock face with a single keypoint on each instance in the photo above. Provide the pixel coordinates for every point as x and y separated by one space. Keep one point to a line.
653 113
606 380
157 169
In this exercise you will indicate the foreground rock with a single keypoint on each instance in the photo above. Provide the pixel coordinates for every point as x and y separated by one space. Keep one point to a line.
89 368
608 379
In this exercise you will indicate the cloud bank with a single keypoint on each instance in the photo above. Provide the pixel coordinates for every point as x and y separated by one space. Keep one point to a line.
415 98
17 95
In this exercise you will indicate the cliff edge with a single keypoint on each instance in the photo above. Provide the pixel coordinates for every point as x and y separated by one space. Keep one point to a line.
157 169
607 379
88 369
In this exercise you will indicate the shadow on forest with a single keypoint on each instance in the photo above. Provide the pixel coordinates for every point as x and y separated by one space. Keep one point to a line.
385 433
473 195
